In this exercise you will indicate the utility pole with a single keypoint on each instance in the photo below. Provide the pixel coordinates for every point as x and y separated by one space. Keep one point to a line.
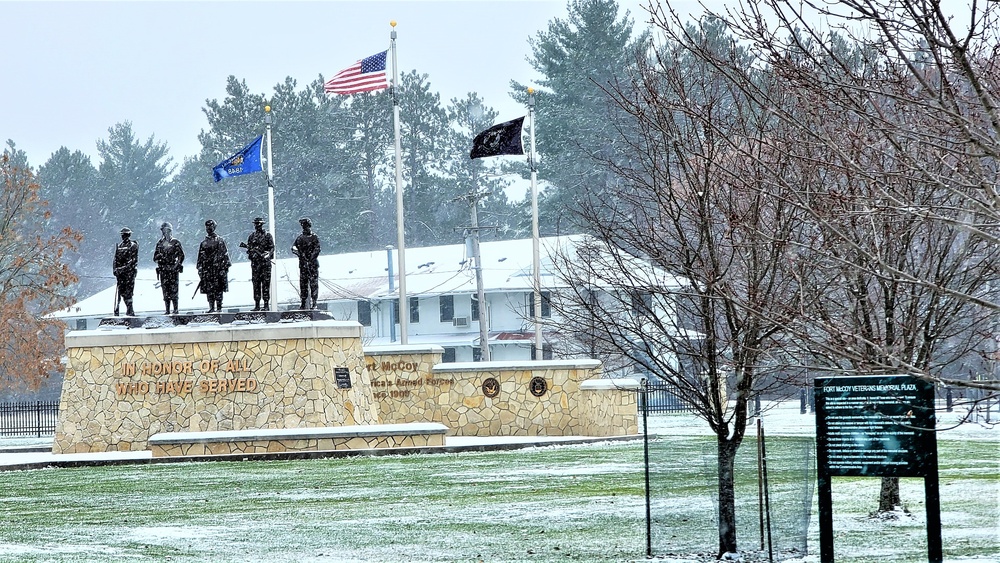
472 233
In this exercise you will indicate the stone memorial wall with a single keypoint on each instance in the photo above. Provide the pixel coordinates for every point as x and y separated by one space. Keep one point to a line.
527 398
124 385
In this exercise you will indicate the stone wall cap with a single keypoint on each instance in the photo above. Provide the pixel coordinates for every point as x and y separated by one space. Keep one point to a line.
624 383
518 365
213 333
388 349
258 434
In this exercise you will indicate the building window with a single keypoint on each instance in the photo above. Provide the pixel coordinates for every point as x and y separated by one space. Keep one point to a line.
81 324
546 304
475 308
546 352
642 303
477 354
365 313
414 310
449 355
395 311
447 308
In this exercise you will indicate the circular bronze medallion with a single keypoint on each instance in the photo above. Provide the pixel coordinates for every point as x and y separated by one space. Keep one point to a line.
538 386
491 387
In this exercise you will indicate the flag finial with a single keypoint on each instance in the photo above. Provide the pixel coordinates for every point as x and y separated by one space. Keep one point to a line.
267 109
392 23
531 90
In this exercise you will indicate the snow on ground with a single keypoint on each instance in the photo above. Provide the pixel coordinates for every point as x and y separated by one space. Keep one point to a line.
777 419
19 458
785 419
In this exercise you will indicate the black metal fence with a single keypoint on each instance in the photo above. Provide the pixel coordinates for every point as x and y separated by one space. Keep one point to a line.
29 419
660 398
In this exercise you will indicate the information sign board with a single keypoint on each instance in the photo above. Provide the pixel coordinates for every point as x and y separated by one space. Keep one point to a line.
875 426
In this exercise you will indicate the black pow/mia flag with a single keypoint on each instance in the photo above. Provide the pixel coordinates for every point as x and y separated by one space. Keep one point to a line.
504 138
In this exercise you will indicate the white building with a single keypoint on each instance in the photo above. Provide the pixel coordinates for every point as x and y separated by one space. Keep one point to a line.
440 286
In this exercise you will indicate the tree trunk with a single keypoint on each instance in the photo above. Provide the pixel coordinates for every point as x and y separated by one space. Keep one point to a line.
888 495
727 496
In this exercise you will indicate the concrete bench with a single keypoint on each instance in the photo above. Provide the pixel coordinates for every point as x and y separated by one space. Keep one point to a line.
271 440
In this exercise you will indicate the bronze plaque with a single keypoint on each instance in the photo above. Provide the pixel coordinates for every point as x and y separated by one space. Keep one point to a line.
538 386
342 377
491 387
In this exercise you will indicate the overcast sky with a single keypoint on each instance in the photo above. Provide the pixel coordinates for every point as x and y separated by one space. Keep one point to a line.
71 70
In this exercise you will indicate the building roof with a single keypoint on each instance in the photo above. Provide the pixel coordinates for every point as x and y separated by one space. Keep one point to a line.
431 271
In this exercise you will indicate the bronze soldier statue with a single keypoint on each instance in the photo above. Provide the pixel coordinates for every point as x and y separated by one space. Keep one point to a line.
169 258
125 267
213 267
306 247
260 251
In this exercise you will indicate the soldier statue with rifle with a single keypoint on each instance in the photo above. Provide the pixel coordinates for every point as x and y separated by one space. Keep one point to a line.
213 267
169 258
125 266
260 251
307 248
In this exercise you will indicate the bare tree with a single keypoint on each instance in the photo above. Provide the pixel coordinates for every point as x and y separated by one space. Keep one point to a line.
870 246
892 129
684 275
894 108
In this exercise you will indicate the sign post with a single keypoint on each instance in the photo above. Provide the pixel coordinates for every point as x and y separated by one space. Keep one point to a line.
876 426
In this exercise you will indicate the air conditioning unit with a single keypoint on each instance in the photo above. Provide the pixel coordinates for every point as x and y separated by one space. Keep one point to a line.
460 322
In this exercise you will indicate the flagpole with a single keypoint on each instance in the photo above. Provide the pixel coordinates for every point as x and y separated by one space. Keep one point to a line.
404 310
535 260
270 212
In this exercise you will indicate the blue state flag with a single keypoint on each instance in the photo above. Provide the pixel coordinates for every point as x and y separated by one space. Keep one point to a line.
246 161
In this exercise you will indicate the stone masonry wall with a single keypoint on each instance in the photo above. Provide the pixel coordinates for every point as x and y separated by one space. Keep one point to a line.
533 398
608 407
123 385
411 385
300 445
403 385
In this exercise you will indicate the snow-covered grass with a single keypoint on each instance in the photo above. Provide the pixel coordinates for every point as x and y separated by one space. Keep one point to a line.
445 507
547 504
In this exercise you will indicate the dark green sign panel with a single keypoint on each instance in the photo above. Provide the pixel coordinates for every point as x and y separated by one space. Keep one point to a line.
875 426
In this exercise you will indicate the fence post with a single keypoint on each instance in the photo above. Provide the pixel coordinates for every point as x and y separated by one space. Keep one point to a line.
645 455
802 400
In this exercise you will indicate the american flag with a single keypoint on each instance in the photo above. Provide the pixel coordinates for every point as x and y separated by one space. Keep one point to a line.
366 75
